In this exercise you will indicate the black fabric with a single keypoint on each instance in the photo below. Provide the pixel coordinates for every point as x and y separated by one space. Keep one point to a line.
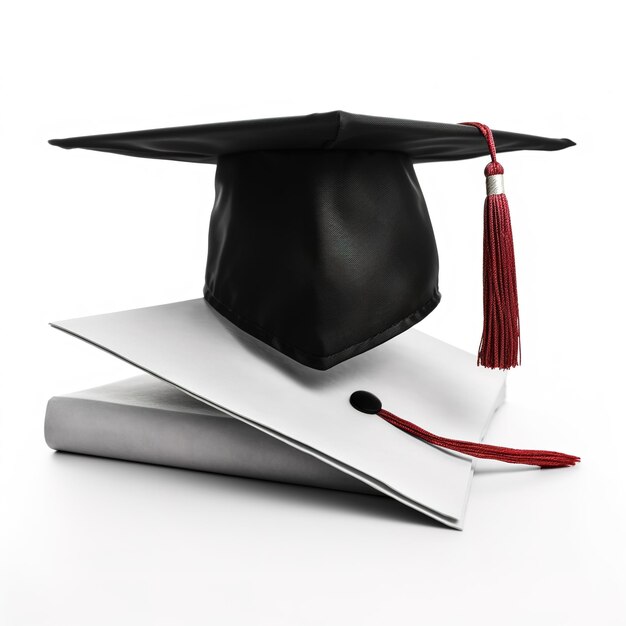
337 130
322 255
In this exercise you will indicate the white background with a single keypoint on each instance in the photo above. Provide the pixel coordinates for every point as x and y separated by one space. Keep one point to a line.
89 541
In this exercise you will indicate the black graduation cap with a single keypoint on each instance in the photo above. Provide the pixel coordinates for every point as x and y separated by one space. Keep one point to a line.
320 243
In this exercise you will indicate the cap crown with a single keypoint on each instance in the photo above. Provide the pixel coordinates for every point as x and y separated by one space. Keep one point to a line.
321 254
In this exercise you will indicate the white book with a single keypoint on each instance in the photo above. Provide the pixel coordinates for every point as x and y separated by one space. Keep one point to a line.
146 420
426 381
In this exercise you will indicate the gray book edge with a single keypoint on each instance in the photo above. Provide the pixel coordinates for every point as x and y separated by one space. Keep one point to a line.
146 420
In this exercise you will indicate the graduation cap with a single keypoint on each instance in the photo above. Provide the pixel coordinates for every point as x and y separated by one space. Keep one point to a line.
320 242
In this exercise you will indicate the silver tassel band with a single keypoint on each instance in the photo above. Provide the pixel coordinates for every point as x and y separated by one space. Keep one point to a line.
495 185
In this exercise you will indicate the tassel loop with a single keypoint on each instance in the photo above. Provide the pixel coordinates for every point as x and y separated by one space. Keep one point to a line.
494 169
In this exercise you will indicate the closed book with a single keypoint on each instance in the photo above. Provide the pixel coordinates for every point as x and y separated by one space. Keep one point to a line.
146 420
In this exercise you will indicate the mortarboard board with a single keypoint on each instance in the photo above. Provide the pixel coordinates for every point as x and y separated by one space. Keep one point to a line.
320 242
321 247
192 347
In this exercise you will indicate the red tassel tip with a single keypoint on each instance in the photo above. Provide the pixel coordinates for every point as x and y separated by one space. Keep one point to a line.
500 343
541 458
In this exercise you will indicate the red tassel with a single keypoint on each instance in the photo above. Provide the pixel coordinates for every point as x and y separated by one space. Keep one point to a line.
542 458
500 344
367 402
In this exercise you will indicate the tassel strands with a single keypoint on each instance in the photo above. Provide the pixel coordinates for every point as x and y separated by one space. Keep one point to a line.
500 343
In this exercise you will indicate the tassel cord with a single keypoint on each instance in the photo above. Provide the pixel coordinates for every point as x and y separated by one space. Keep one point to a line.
541 458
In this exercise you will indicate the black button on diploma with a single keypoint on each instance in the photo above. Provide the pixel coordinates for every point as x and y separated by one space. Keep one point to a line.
365 402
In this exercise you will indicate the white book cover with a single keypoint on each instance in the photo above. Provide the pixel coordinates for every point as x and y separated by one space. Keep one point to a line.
435 385
146 420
